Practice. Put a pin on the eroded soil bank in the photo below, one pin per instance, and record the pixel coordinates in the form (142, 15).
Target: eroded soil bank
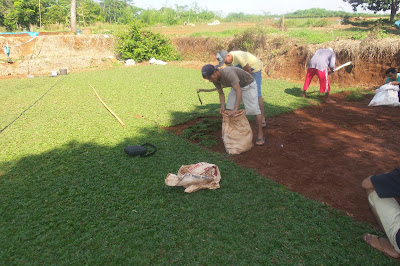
(282, 58)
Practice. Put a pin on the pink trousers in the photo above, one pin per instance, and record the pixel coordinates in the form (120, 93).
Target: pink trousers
(324, 86)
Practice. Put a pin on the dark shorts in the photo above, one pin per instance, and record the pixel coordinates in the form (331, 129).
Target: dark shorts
(387, 185)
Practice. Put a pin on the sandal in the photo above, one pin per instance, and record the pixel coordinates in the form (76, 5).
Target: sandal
(260, 142)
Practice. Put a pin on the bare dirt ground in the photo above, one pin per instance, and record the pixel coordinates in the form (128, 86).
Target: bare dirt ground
(324, 152)
(47, 52)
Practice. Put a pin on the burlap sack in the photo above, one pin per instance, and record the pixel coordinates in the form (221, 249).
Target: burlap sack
(195, 177)
(236, 133)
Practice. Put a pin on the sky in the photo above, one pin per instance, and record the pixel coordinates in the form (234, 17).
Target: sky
(275, 7)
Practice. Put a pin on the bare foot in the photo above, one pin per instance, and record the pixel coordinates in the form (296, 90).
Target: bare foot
(304, 94)
(329, 100)
(381, 244)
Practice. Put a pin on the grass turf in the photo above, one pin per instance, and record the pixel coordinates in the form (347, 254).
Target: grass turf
(69, 194)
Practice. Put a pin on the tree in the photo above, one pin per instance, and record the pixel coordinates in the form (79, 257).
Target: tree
(73, 16)
(5, 6)
(377, 5)
(22, 14)
(55, 11)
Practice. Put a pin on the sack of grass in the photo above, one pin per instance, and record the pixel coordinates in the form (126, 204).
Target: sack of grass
(236, 133)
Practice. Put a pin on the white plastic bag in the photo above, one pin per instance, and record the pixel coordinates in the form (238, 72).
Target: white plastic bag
(386, 95)
(130, 62)
(195, 177)
(387, 87)
(154, 61)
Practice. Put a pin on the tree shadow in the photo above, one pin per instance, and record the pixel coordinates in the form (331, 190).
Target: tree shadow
(297, 91)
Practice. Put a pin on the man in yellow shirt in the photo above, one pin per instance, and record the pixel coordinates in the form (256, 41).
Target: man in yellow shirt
(248, 63)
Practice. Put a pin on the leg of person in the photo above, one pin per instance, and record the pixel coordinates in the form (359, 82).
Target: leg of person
(258, 78)
(310, 74)
(324, 86)
(262, 108)
(260, 139)
(387, 212)
(250, 100)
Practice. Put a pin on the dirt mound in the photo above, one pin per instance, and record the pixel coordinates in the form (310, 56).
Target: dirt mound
(325, 151)
(42, 54)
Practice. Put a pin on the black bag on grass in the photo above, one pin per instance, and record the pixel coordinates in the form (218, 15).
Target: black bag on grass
(140, 150)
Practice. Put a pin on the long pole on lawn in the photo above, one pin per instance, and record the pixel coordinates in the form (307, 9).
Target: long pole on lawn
(105, 105)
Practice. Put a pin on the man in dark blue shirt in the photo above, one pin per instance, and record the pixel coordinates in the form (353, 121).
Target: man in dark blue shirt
(382, 190)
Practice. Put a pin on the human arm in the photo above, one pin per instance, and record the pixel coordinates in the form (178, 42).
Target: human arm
(332, 62)
(367, 184)
(206, 90)
(247, 68)
(221, 100)
(394, 83)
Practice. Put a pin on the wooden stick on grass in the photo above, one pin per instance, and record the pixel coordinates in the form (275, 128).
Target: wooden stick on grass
(105, 105)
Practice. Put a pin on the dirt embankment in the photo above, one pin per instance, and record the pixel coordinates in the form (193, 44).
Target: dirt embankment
(285, 59)
(282, 58)
(44, 53)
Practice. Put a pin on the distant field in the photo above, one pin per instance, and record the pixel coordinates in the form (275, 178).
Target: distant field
(202, 28)
(317, 30)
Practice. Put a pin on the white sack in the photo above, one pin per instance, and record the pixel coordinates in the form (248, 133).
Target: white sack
(386, 95)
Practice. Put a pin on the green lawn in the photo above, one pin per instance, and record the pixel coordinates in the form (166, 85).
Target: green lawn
(70, 195)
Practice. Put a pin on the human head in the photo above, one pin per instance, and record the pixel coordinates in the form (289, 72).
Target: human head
(221, 55)
(391, 73)
(209, 72)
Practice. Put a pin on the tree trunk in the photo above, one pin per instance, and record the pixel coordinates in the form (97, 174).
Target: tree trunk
(393, 10)
(40, 16)
(73, 16)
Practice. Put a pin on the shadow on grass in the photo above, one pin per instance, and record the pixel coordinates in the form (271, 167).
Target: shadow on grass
(200, 111)
(296, 91)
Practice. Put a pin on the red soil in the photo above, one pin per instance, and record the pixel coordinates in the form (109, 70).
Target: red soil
(324, 152)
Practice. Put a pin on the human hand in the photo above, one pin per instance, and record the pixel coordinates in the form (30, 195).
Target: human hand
(394, 83)
(221, 110)
(232, 113)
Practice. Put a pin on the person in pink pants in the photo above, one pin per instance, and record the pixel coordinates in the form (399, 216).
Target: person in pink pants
(321, 62)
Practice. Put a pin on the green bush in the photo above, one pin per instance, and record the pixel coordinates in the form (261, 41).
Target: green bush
(141, 45)
(249, 39)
